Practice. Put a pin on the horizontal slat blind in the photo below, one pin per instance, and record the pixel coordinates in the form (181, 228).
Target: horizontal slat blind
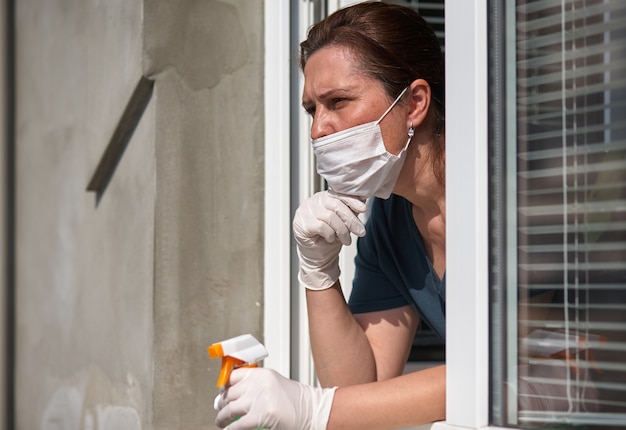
(571, 185)
(431, 10)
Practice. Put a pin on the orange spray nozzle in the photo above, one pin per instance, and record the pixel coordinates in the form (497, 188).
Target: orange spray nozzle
(240, 351)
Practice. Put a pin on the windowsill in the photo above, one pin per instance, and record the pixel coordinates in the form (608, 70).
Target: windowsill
(442, 425)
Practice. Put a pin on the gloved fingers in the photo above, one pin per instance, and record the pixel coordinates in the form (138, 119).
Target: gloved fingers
(235, 388)
(330, 216)
(246, 422)
(356, 204)
(311, 225)
(239, 375)
(333, 212)
(352, 224)
(339, 223)
(228, 413)
(231, 394)
(347, 209)
(262, 398)
(232, 403)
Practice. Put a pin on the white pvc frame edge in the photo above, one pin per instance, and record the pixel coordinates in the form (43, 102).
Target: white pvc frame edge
(277, 237)
(466, 159)
(467, 298)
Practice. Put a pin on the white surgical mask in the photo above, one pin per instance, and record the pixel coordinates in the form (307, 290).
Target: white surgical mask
(355, 161)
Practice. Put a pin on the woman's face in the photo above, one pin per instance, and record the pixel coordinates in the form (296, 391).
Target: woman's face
(338, 96)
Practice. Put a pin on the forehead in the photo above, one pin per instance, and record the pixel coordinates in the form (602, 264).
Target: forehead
(333, 68)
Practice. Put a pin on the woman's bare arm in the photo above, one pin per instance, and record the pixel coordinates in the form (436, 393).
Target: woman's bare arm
(404, 401)
(352, 350)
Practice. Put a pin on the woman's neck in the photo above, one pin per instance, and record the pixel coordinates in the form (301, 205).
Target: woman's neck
(431, 225)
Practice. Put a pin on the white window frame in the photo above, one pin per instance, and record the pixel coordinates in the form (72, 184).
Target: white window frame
(467, 280)
(277, 230)
(467, 301)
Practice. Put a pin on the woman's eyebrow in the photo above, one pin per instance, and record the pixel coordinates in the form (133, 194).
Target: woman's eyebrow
(334, 92)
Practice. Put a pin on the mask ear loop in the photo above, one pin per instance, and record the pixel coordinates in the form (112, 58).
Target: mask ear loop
(410, 133)
(392, 105)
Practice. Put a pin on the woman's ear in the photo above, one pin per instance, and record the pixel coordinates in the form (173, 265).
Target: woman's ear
(419, 101)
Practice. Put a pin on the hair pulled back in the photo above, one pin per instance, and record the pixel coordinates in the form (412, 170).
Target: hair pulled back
(394, 45)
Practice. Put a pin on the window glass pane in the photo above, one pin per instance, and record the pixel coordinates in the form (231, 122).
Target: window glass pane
(559, 213)
(431, 10)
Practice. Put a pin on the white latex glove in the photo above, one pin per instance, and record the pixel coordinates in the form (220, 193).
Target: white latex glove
(321, 226)
(265, 399)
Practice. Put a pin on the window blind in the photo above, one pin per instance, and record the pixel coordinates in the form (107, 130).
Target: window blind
(432, 11)
(570, 185)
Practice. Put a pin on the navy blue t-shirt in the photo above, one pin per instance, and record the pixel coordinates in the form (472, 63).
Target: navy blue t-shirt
(392, 268)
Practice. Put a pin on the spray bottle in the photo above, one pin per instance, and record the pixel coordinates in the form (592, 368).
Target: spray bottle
(236, 352)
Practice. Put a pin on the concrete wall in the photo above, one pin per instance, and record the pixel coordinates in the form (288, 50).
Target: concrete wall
(207, 60)
(119, 292)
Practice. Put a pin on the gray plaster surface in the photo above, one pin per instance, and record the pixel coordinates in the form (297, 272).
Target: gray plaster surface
(119, 296)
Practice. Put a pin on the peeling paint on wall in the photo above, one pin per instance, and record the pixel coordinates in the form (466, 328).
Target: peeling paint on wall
(64, 410)
(109, 417)
(91, 401)
(202, 40)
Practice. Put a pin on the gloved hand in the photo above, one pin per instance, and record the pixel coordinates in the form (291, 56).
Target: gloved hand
(265, 399)
(321, 225)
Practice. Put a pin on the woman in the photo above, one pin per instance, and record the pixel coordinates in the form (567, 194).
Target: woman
(374, 89)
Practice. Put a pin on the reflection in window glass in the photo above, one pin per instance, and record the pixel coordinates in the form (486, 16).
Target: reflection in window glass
(559, 215)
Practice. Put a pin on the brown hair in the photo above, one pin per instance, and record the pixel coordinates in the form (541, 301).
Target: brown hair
(394, 45)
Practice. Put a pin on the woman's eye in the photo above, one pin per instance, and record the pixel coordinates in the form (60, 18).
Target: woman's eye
(337, 101)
